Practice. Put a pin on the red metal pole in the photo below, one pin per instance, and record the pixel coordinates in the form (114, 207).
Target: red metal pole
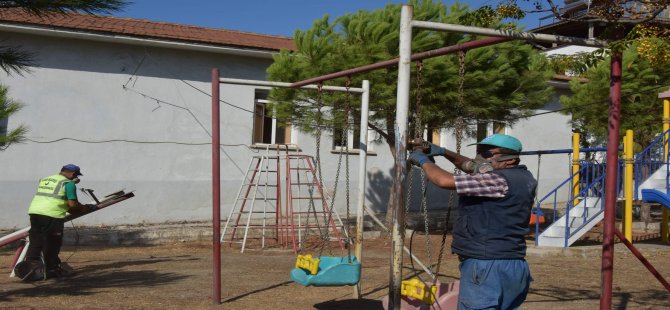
(607, 267)
(216, 191)
(643, 260)
(394, 62)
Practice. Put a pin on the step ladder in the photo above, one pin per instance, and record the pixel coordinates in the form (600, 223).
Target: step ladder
(279, 202)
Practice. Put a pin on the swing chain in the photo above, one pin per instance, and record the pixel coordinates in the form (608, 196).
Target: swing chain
(424, 207)
(418, 128)
(344, 141)
(460, 121)
(347, 102)
(319, 115)
(317, 164)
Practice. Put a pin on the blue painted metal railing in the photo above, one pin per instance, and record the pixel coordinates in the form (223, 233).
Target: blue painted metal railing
(591, 184)
(650, 160)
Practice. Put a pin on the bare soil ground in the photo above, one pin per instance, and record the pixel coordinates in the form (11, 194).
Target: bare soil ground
(178, 276)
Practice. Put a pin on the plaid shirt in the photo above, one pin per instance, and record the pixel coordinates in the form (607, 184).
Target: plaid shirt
(489, 185)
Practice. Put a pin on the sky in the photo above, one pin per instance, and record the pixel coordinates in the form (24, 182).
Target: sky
(273, 17)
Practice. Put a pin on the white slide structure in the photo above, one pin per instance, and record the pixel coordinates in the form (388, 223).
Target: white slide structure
(581, 218)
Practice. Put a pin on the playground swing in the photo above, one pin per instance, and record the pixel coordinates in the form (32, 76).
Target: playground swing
(329, 270)
(416, 293)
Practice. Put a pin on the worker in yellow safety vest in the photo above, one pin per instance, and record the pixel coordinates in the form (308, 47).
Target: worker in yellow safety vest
(56, 195)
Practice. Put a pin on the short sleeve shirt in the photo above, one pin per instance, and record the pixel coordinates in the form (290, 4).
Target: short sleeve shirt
(489, 185)
(70, 191)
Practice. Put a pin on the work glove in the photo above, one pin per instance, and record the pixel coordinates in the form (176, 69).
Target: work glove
(419, 158)
(436, 150)
(90, 207)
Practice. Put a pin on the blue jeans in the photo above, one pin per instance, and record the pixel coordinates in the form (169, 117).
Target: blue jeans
(493, 284)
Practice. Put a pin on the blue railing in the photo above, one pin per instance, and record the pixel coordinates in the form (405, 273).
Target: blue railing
(591, 184)
(650, 160)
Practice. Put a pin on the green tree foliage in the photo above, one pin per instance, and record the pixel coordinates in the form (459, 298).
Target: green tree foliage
(504, 82)
(14, 60)
(7, 108)
(638, 19)
(640, 107)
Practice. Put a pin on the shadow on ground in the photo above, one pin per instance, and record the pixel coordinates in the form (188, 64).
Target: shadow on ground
(94, 277)
(350, 304)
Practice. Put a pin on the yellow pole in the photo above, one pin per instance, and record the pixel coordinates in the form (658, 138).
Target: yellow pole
(666, 127)
(628, 186)
(575, 167)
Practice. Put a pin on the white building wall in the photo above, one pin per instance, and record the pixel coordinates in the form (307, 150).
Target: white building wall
(75, 97)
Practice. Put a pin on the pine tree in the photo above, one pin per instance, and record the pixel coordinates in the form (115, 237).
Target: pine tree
(640, 107)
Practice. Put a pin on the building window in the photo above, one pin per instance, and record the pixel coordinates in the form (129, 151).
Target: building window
(266, 130)
(432, 135)
(353, 136)
(482, 130)
(485, 129)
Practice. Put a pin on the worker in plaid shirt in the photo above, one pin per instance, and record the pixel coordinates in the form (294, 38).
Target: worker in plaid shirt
(495, 200)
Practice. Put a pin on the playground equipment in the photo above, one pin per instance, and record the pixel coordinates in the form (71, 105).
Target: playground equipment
(644, 176)
(216, 81)
(327, 270)
(403, 62)
(22, 234)
(416, 293)
(289, 195)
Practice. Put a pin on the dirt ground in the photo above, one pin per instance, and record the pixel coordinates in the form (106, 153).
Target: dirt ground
(178, 276)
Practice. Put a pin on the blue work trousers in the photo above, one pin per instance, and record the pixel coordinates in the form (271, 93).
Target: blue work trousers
(499, 284)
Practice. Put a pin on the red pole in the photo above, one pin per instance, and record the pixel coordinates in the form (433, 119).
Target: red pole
(607, 267)
(216, 191)
(643, 260)
(394, 62)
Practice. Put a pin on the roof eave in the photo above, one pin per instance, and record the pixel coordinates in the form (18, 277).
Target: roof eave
(114, 38)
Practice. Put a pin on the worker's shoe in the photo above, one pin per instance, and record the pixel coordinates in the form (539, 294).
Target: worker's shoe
(30, 270)
(62, 271)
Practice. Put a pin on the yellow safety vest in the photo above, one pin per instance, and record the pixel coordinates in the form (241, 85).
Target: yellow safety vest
(50, 199)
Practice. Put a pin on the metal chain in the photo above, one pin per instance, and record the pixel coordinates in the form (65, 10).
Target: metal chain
(424, 207)
(460, 121)
(418, 126)
(317, 164)
(344, 141)
(319, 116)
(347, 103)
(409, 181)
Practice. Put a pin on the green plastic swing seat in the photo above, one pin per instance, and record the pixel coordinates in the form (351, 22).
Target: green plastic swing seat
(333, 271)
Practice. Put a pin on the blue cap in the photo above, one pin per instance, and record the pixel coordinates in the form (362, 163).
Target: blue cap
(73, 168)
(501, 140)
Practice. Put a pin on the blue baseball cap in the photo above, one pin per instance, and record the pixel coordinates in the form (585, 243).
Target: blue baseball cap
(73, 168)
(501, 140)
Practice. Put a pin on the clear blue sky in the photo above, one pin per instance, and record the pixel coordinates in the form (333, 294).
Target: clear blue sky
(276, 17)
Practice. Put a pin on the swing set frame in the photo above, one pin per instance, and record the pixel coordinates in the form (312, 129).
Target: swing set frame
(402, 106)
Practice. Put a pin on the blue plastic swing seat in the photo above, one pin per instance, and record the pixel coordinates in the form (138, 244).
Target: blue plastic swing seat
(333, 271)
